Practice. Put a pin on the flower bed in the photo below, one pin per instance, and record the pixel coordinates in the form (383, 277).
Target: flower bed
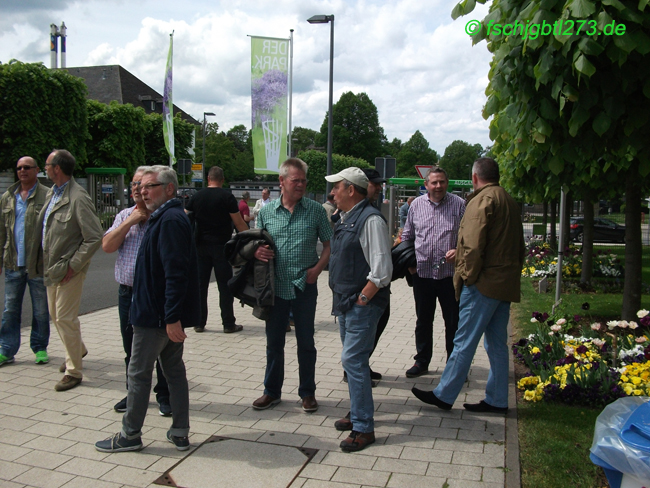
(603, 363)
(541, 261)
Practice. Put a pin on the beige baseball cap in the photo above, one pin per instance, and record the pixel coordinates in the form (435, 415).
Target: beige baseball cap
(352, 174)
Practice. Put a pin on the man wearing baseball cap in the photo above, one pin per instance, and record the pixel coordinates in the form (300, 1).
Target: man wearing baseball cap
(359, 276)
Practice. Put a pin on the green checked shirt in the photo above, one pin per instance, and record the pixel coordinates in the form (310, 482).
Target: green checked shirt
(295, 235)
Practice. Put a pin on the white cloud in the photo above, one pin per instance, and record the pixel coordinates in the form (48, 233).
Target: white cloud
(415, 63)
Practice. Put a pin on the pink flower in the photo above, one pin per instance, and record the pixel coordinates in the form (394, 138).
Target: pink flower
(595, 326)
(561, 322)
(556, 328)
(632, 325)
(640, 340)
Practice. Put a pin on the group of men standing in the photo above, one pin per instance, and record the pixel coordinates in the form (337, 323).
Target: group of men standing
(48, 238)
(164, 276)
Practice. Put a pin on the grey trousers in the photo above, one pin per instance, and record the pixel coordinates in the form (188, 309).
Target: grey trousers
(148, 345)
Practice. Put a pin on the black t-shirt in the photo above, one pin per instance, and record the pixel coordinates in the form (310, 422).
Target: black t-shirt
(212, 208)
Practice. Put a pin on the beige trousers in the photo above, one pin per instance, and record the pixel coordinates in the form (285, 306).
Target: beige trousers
(63, 302)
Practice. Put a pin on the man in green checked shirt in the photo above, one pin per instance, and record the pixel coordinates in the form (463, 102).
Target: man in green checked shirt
(296, 224)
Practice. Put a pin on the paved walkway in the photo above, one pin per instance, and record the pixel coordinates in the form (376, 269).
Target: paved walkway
(47, 436)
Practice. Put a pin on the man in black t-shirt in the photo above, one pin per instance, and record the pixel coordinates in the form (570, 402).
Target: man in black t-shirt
(215, 211)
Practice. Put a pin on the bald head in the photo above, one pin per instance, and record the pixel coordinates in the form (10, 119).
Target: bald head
(27, 169)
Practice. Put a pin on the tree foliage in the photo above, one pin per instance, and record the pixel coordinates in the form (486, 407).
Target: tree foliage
(572, 108)
(232, 151)
(415, 151)
(154, 143)
(317, 162)
(303, 139)
(356, 129)
(40, 110)
(458, 159)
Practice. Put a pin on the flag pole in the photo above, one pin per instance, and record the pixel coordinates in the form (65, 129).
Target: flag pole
(290, 90)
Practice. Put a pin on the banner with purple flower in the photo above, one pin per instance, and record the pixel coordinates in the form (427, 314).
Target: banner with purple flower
(269, 68)
(168, 104)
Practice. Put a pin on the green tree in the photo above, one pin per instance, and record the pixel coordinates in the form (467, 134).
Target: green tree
(239, 136)
(393, 147)
(458, 159)
(303, 139)
(572, 109)
(356, 130)
(231, 151)
(154, 144)
(415, 151)
(117, 135)
(41, 109)
(317, 162)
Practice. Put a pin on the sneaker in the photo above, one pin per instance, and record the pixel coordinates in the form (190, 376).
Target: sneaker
(67, 383)
(42, 357)
(120, 406)
(117, 443)
(181, 443)
(5, 360)
(164, 408)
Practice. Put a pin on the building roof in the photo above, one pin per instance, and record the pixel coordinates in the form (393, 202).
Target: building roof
(113, 82)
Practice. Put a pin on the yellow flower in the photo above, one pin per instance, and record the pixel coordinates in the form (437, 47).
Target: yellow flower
(530, 396)
(535, 350)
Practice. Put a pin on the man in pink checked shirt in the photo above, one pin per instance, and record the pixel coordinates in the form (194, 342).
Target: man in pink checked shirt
(432, 222)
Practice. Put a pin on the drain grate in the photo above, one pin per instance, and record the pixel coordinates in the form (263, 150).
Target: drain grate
(227, 462)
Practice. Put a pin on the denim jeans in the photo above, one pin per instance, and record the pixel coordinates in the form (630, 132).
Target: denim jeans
(148, 345)
(304, 311)
(125, 295)
(15, 284)
(425, 292)
(478, 315)
(212, 257)
(358, 327)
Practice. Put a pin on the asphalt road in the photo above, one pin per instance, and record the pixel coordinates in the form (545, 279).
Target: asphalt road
(99, 292)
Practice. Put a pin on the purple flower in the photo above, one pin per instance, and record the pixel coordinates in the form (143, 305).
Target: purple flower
(585, 306)
(266, 92)
(577, 318)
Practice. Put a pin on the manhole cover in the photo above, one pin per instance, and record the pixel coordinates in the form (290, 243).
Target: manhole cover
(226, 462)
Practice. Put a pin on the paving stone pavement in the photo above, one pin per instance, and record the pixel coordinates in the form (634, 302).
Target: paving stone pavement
(48, 436)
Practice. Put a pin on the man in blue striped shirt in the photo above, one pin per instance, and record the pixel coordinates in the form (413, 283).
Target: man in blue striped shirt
(432, 222)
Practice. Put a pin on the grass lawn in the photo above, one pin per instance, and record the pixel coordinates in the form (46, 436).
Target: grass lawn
(555, 439)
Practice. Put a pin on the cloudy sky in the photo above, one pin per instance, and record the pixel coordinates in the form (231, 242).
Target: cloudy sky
(415, 63)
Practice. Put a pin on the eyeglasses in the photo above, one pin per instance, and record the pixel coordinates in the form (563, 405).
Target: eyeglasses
(135, 184)
(25, 168)
(149, 186)
(297, 181)
(439, 263)
(49, 164)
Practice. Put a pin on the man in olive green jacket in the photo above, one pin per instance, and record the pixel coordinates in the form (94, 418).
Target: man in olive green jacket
(71, 234)
(22, 260)
(489, 257)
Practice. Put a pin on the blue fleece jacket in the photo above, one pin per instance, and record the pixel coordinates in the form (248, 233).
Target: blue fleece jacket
(166, 281)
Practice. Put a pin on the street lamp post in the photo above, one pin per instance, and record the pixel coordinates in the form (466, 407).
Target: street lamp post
(205, 114)
(324, 19)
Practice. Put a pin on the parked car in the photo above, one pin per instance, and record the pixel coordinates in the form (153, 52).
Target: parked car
(604, 230)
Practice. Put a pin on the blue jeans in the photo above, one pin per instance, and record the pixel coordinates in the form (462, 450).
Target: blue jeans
(304, 311)
(358, 327)
(150, 344)
(125, 296)
(478, 315)
(15, 284)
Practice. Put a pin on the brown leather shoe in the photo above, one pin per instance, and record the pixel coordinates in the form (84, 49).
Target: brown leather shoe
(67, 383)
(343, 424)
(264, 402)
(357, 441)
(309, 404)
(62, 367)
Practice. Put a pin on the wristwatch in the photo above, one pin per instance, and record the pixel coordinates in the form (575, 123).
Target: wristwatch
(364, 299)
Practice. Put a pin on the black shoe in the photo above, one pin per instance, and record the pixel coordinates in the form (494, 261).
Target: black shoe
(117, 443)
(120, 406)
(375, 376)
(430, 398)
(372, 383)
(484, 407)
(416, 370)
(234, 328)
(165, 409)
(199, 329)
(181, 443)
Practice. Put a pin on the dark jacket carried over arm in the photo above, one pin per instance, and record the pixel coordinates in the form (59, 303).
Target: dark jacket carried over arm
(253, 281)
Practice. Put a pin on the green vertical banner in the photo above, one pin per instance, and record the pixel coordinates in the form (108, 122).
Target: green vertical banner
(269, 74)
(168, 104)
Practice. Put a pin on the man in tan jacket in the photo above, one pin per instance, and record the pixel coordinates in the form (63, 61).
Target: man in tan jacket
(71, 234)
(489, 257)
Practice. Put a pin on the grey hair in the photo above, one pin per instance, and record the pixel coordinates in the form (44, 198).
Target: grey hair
(357, 188)
(246, 195)
(486, 169)
(142, 169)
(293, 163)
(165, 175)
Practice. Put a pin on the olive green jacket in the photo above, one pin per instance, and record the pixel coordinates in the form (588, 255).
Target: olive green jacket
(73, 234)
(490, 251)
(33, 254)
